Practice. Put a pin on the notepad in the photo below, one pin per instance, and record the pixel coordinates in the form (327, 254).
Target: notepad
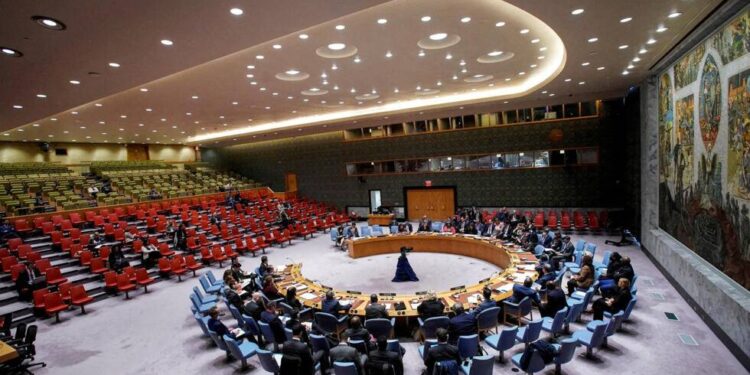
(300, 287)
(415, 305)
(504, 288)
(528, 267)
(475, 298)
(309, 296)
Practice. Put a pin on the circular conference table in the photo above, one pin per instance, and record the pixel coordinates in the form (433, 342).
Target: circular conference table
(515, 263)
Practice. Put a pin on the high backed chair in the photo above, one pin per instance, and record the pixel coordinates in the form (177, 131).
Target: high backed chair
(487, 320)
(566, 350)
(430, 326)
(380, 327)
(241, 350)
(591, 339)
(519, 310)
(530, 333)
(555, 325)
(478, 366)
(503, 341)
(468, 346)
(536, 363)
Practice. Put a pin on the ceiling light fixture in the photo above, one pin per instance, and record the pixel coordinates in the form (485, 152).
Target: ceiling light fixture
(260, 57)
(462, 63)
(674, 14)
(388, 54)
(500, 24)
(334, 67)
(17, 106)
(448, 56)
(626, 19)
(303, 36)
(421, 53)
(495, 53)
(576, 12)
(98, 104)
(631, 66)
(143, 89)
(167, 42)
(236, 11)
(651, 41)
(340, 27)
(585, 63)
(593, 40)
(568, 79)
(438, 36)
(382, 21)
(276, 46)
(251, 67)
(661, 29)
(636, 59)
(114, 65)
(524, 31)
(49, 23)
(336, 46)
(426, 18)
(535, 41)
(582, 83)
(623, 46)
(10, 52)
(642, 51)
(74, 82)
(625, 72)
(42, 96)
(600, 68)
(466, 19)
(291, 72)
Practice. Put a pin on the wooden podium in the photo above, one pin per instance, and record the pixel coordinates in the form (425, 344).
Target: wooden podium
(374, 219)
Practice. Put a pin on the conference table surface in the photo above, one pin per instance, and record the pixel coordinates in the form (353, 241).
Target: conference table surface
(516, 265)
(7, 352)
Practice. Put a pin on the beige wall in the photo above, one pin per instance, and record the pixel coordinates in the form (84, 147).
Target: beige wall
(13, 152)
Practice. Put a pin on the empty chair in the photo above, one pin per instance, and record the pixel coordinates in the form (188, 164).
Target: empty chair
(566, 349)
(536, 362)
(503, 341)
(478, 366)
(97, 266)
(53, 304)
(530, 333)
(555, 325)
(79, 297)
(430, 325)
(330, 324)
(364, 231)
(110, 280)
(177, 267)
(345, 368)
(487, 320)
(207, 287)
(124, 284)
(143, 279)
(468, 346)
(201, 307)
(380, 327)
(613, 324)
(269, 361)
(191, 264)
(519, 310)
(591, 339)
(574, 313)
(241, 351)
(377, 230)
(54, 276)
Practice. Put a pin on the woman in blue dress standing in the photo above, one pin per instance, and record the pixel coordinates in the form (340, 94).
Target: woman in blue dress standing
(404, 272)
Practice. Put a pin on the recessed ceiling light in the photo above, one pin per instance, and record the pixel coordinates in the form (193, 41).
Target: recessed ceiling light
(74, 112)
(303, 36)
(466, 19)
(167, 42)
(535, 41)
(251, 67)
(336, 46)
(194, 96)
(340, 27)
(542, 49)
(83, 127)
(382, 21)
(585, 63)
(651, 41)
(11, 52)
(42, 96)
(438, 36)
(576, 12)
(625, 72)
(421, 53)
(262, 89)
(462, 63)
(455, 77)
(249, 75)
(276, 46)
(674, 14)
(448, 56)
(17, 106)
(631, 66)
(291, 72)
(426, 18)
(642, 51)
(636, 59)
(149, 109)
(236, 11)
(500, 24)
(540, 58)
(114, 65)
(600, 68)
(123, 116)
(143, 89)
(661, 29)
(582, 83)
(463, 70)
(49, 23)
(593, 40)
(98, 104)
(334, 67)
(524, 31)
(74, 82)
(336, 87)
(260, 57)
(568, 79)
(53, 119)
(623, 46)
(253, 83)
(388, 54)
(495, 53)
(521, 73)
(35, 125)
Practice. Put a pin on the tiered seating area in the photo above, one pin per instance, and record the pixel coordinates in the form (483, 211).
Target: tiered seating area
(59, 186)
(206, 173)
(59, 245)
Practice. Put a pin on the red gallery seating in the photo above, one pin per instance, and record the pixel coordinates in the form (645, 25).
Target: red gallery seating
(142, 278)
(54, 276)
(110, 280)
(191, 264)
(177, 267)
(79, 297)
(124, 285)
(53, 304)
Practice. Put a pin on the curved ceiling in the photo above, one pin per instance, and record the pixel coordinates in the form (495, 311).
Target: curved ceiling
(393, 58)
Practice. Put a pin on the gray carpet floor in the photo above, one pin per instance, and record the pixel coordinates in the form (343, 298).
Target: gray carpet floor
(155, 333)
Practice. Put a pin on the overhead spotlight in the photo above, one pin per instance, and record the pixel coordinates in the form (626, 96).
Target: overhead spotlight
(340, 27)
(500, 24)
(74, 82)
(114, 65)
(651, 41)
(382, 21)
(426, 18)
(236, 11)
(10, 52)
(466, 19)
(661, 29)
(49, 23)
(626, 19)
(674, 14)
(303, 36)
(576, 12)
(167, 42)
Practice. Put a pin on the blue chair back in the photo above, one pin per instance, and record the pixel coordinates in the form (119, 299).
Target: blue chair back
(487, 319)
(394, 346)
(605, 258)
(347, 231)
(591, 248)
(250, 325)
(551, 233)
(265, 329)
(212, 278)
(319, 343)
(288, 310)
(538, 250)
(379, 327)
(233, 348)
(197, 303)
(394, 229)
(426, 347)
(507, 338)
(219, 342)
(364, 231)
(341, 368)
(630, 307)
(377, 230)
(468, 346)
(580, 246)
(482, 365)
(431, 325)
(198, 293)
(267, 362)
(437, 226)
(235, 313)
(618, 318)
(536, 363)
(532, 331)
(524, 307)
(201, 323)
(566, 352)
(205, 284)
(334, 235)
(360, 345)
(327, 322)
(597, 337)
(559, 321)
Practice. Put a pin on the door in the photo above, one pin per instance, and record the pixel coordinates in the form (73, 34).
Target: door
(374, 200)
(137, 152)
(435, 203)
(290, 182)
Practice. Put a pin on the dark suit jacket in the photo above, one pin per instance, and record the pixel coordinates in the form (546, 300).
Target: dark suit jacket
(358, 334)
(217, 326)
(440, 352)
(376, 311)
(430, 308)
(347, 354)
(520, 291)
(253, 309)
(484, 306)
(377, 357)
(277, 327)
(332, 307)
(461, 325)
(555, 302)
(297, 349)
(23, 281)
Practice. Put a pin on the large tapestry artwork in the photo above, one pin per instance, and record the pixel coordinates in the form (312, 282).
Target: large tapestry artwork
(704, 168)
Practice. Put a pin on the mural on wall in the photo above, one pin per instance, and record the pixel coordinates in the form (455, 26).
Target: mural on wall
(700, 205)
(665, 124)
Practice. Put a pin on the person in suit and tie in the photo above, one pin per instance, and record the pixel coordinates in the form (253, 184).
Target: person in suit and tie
(254, 308)
(431, 307)
(297, 353)
(462, 324)
(29, 280)
(522, 291)
(272, 319)
(357, 332)
(556, 300)
(331, 305)
(442, 351)
(381, 360)
(375, 310)
(215, 325)
(348, 354)
(565, 254)
(487, 303)
(546, 239)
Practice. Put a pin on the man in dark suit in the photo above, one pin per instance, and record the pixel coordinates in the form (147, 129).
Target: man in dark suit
(442, 351)
(277, 327)
(378, 360)
(546, 239)
(296, 351)
(565, 254)
(522, 291)
(430, 307)
(348, 354)
(356, 331)
(425, 225)
(375, 310)
(331, 305)
(487, 303)
(254, 307)
(462, 324)
(555, 300)
(547, 274)
(29, 280)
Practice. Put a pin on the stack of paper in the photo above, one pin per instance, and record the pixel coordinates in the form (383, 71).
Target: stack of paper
(309, 296)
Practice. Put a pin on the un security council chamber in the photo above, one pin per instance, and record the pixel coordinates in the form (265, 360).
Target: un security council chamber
(375, 187)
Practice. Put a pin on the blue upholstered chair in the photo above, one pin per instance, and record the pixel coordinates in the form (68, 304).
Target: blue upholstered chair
(424, 348)
(394, 346)
(364, 231)
(529, 333)
(319, 342)
(555, 325)
(304, 314)
(519, 310)
(584, 297)
(478, 366)
(430, 326)
(334, 236)
(591, 248)
(201, 307)
(566, 350)
(268, 336)
(487, 320)
(574, 266)
(212, 279)
(605, 260)
(437, 226)
(591, 339)
(503, 341)
(536, 363)
(580, 245)
(208, 287)
(380, 327)
(377, 230)
(204, 298)
(251, 326)
(538, 251)
(241, 350)
(612, 324)
(342, 368)
(268, 361)
(628, 310)
(202, 322)
(394, 229)
(330, 324)
(468, 346)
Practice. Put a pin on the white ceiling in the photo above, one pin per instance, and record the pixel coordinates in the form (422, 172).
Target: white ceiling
(213, 48)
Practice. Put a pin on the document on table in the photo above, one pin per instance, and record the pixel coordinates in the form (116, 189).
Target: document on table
(504, 288)
(475, 298)
(309, 296)
(528, 267)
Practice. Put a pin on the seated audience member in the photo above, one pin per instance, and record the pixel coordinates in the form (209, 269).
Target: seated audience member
(254, 307)
(431, 307)
(117, 259)
(270, 317)
(487, 303)
(425, 224)
(29, 280)
(153, 194)
(348, 354)
(381, 361)
(340, 235)
(548, 274)
(95, 242)
(215, 325)
(522, 291)
(623, 270)
(264, 269)
(270, 289)
(555, 300)
(228, 277)
(237, 271)
(546, 240)
(565, 254)
(293, 322)
(448, 228)
(331, 305)
(463, 323)
(585, 277)
(556, 242)
(375, 310)
(106, 187)
(442, 351)
(295, 352)
(291, 299)
(7, 231)
(617, 303)
(38, 199)
(93, 191)
(356, 331)
(470, 227)
(353, 231)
